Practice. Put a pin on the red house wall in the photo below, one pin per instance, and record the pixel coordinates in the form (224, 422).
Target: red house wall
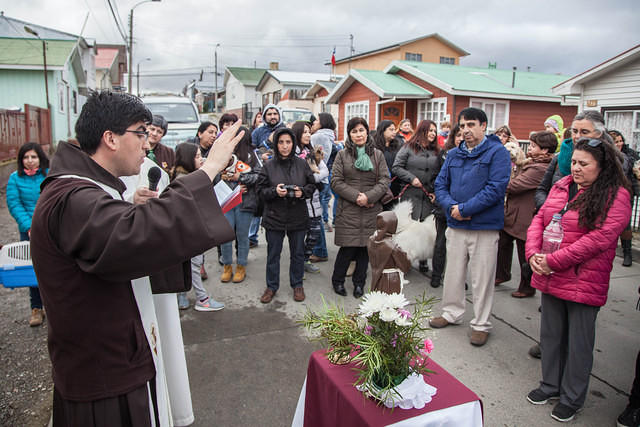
(527, 116)
(357, 92)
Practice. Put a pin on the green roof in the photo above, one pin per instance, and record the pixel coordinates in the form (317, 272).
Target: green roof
(392, 85)
(247, 76)
(474, 79)
(24, 52)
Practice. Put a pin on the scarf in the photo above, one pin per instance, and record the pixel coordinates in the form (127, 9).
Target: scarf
(363, 162)
(31, 172)
(564, 157)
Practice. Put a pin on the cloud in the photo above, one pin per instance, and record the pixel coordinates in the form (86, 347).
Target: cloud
(550, 36)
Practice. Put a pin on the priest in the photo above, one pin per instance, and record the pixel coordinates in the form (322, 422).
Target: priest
(92, 251)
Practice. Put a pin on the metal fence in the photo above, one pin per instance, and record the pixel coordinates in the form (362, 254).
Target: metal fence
(17, 127)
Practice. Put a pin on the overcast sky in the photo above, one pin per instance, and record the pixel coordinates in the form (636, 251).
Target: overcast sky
(179, 36)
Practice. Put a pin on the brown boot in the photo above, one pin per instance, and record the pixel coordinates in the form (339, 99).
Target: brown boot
(267, 296)
(227, 272)
(241, 273)
(37, 316)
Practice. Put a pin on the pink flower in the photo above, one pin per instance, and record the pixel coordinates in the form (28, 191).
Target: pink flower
(428, 346)
(404, 313)
(368, 329)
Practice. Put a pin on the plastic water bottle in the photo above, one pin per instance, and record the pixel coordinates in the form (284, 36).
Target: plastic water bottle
(552, 235)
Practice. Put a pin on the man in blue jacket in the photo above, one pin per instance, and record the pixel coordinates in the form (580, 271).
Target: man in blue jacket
(471, 188)
(272, 118)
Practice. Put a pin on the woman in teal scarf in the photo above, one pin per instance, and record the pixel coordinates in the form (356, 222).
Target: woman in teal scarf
(360, 177)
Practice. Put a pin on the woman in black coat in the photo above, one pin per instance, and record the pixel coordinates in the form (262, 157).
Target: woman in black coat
(417, 165)
(284, 183)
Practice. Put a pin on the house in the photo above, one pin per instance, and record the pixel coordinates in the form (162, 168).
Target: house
(287, 88)
(422, 90)
(111, 65)
(69, 77)
(430, 48)
(317, 94)
(613, 88)
(241, 95)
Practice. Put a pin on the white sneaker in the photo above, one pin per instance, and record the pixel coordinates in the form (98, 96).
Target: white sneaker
(208, 305)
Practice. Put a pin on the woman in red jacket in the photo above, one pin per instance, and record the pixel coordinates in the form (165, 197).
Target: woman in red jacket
(574, 280)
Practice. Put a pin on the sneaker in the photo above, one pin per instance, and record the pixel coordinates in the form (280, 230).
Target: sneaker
(267, 296)
(183, 301)
(535, 351)
(310, 268)
(298, 294)
(479, 338)
(539, 397)
(563, 413)
(208, 304)
(315, 258)
(438, 322)
(37, 317)
(630, 417)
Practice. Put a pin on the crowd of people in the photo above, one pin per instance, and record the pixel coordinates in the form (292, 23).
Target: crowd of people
(482, 192)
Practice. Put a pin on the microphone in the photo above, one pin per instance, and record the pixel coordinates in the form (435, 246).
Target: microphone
(154, 178)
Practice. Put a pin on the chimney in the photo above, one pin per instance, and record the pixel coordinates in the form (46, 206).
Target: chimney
(513, 80)
(275, 66)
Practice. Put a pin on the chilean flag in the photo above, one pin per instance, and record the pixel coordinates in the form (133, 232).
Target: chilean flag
(333, 57)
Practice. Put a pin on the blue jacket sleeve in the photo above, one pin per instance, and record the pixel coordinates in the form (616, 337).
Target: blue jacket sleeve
(14, 203)
(442, 187)
(494, 191)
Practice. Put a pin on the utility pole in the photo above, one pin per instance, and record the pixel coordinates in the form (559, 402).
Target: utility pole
(131, 39)
(215, 74)
(44, 59)
(351, 50)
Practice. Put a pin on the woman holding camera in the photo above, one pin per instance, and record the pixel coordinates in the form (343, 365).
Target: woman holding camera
(284, 183)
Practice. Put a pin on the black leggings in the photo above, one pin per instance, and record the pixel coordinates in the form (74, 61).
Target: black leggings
(346, 254)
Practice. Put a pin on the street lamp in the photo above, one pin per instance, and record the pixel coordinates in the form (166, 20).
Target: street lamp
(215, 73)
(138, 74)
(131, 36)
(44, 57)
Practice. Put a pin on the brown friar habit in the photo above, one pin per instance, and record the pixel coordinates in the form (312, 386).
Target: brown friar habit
(87, 247)
(384, 253)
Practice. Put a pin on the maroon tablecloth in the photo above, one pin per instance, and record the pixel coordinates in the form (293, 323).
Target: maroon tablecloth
(332, 400)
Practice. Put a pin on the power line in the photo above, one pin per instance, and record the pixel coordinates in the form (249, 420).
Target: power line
(115, 18)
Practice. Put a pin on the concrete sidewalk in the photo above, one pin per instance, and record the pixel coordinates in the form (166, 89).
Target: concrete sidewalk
(247, 362)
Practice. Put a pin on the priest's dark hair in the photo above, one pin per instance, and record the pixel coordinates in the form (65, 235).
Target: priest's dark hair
(108, 111)
(185, 158)
(44, 160)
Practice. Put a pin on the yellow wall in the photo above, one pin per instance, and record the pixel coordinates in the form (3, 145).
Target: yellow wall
(431, 49)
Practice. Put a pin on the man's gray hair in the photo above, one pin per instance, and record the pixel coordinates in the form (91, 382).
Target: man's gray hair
(594, 117)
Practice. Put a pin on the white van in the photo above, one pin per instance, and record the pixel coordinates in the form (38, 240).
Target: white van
(181, 114)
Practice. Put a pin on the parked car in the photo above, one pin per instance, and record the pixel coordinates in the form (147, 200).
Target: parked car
(292, 115)
(181, 114)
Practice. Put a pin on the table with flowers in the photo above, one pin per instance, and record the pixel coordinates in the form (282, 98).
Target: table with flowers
(376, 370)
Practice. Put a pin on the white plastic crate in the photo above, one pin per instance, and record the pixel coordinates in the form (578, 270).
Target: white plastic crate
(16, 254)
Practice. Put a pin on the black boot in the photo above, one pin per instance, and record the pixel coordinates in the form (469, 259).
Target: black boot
(339, 289)
(626, 252)
(358, 291)
(435, 281)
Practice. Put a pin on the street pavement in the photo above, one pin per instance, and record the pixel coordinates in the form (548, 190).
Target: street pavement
(247, 362)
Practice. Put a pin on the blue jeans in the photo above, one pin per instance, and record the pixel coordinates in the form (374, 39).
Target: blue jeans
(320, 249)
(296, 262)
(34, 292)
(254, 228)
(240, 222)
(325, 197)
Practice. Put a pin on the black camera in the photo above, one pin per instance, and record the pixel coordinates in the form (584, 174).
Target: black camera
(291, 190)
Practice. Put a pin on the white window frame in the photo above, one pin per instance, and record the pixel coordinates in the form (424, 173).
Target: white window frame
(355, 109)
(437, 114)
(491, 124)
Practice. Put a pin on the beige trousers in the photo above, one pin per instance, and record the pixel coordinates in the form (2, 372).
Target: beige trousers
(474, 252)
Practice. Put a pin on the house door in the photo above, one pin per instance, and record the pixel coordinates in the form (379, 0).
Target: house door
(393, 111)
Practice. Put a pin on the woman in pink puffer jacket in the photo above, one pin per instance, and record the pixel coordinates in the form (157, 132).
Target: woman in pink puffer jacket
(574, 280)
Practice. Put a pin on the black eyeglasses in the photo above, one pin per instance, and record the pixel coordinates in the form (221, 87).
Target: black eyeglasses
(143, 133)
